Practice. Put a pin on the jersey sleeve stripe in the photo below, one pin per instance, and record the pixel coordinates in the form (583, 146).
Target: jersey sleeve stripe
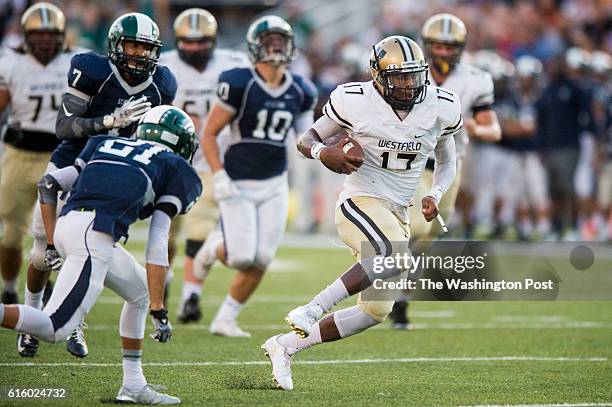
(78, 93)
(172, 200)
(455, 125)
(326, 112)
(331, 105)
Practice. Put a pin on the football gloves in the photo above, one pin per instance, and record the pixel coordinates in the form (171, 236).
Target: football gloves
(223, 186)
(53, 260)
(131, 111)
(162, 328)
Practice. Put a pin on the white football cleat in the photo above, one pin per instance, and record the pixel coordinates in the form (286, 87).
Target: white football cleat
(146, 395)
(205, 257)
(302, 318)
(229, 328)
(281, 363)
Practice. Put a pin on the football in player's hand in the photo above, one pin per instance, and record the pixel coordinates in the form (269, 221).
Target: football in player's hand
(350, 147)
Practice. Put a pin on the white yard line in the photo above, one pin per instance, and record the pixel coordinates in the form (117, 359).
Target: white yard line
(333, 361)
(416, 326)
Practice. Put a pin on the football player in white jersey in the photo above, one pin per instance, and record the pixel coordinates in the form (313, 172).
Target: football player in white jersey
(399, 120)
(444, 37)
(197, 64)
(32, 82)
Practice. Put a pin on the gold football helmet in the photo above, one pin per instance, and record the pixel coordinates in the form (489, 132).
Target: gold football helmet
(399, 70)
(445, 29)
(195, 30)
(43, 27)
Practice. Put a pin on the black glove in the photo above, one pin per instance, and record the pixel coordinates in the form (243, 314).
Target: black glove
(162, 328)
(52, 258)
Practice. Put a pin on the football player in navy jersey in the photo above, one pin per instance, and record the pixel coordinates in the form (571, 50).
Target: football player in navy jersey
(147, 177)
(106, 95)
(262, 103)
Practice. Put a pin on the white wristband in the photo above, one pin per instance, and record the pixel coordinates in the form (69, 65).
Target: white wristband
(315, 150)
(436, 194)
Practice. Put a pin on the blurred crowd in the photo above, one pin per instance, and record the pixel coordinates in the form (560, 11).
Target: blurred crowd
(551, 175)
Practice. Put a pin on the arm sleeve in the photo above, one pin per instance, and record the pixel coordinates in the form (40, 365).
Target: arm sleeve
(70, 124)
(157, 242)
(445, 167)
(51, 184)
(326, 127)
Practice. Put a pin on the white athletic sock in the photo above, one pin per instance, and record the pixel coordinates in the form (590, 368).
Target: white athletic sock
(35, 322)
(295, 344)
(190, 288)
(330, 296)
(229, 310)
(34, 300)
(10, 286)
(133, 377)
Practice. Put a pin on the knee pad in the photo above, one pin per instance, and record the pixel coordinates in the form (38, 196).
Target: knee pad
(378, 310)
(192, 247)
(240, 261)
(133, 318)
(263, 260)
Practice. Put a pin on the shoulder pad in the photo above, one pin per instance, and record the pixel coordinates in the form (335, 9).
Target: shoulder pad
(93, 65)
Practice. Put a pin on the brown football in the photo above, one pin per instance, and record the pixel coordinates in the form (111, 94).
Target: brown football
(351, 148)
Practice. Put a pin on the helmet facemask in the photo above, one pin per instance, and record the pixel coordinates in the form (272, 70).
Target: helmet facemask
(403, 88)
(44, 45)
(138, 64)
(443, 63)
(196, 51)
(275, 47)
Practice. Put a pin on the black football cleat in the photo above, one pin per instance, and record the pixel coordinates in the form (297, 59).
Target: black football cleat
(399, 315)
(27, 345)
(191, 310)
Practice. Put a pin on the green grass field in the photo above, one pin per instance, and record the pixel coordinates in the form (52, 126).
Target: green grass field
(458, 353)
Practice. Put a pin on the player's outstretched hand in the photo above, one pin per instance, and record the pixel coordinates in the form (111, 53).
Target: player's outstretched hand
(53, 260)
(430, 208)
(334, 158)
(131, 111)
(223, 186)
(162, 328)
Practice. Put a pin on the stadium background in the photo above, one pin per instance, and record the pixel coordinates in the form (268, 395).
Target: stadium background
(458, 353)
(334, 38)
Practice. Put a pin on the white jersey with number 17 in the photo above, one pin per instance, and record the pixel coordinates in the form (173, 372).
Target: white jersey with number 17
(395, 150)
